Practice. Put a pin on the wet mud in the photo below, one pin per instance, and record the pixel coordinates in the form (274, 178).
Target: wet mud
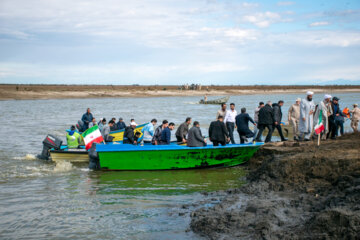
(293, 191)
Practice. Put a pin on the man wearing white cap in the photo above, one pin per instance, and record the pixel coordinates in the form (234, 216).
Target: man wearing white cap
(294, 117)
(306, 123)
(355, 118)
(325, 109)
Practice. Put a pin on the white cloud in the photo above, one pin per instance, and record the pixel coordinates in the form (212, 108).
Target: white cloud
(288, 3)
(316, 24)
(317, 38)
(263, 19)
(249, 5)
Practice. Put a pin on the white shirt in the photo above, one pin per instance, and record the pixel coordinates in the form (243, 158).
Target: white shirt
(230, 116)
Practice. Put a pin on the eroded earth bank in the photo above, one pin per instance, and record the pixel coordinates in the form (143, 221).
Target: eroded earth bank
(293, 191)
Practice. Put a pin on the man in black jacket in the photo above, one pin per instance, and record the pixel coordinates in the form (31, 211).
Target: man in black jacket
(242, 123)
(218, 132)
(266, 120)
(278, 117)
(129, 135)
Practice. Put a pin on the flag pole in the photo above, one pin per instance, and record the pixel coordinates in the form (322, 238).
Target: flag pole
(319, 139)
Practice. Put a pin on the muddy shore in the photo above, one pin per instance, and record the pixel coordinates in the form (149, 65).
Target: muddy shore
(294, 191)
(21, 92)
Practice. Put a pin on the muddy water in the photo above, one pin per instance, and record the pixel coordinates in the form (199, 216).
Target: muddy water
(43, 200)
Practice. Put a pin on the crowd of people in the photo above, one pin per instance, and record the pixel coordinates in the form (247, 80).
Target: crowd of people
(303, 115)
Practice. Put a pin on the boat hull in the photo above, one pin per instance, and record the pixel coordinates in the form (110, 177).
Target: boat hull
(71, 155)
(173, 157)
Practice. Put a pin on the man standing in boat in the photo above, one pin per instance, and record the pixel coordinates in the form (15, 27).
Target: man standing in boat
(87, 118)
(148, 131)
(222, 111)
(183, 130)
(166, 134)
(195, 138)
(218, 132)
(229, 121)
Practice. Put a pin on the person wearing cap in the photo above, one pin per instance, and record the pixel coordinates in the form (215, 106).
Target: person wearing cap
(306, 123)
(121, 124)
(195, 138)
(294, 117)
(333, 129)
(355, 117)
(324, 109)
(129, 135)
(157, 134)
(182, 131)
(148, 131)
(73, 138)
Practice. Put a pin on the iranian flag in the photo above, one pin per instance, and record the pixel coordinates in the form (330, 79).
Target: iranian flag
(92, 135)
(319, 126)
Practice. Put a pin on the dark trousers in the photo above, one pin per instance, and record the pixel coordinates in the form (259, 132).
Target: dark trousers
(216, 143)
(261, 129)
(339, 124)
(278, 127)
(230, 127)
(332, 128)
(244, 135)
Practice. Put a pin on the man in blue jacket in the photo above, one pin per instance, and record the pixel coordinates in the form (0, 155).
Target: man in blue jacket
(166, 134)
(87, 118)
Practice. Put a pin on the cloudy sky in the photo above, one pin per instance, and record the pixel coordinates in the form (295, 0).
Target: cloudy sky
(179, 41)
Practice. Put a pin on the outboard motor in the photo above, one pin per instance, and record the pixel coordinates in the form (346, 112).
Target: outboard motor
(94, 162)
(49, 142)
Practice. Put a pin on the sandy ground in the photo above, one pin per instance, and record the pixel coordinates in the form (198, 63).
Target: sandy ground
(294, 191)
(19, 92)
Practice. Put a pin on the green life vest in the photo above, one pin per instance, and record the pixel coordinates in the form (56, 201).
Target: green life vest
(73, 140)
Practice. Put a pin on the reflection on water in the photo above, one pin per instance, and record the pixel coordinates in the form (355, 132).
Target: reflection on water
(64, 201)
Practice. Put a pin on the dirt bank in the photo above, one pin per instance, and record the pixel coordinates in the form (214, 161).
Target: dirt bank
(19, 92)
(294, 191)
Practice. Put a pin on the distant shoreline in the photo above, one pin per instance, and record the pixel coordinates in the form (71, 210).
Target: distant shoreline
(39, 91)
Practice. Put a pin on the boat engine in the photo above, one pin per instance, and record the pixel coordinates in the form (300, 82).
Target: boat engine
(94, 162)
(49, 142)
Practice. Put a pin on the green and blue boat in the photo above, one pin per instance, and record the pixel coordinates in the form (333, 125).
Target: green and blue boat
(171, 157)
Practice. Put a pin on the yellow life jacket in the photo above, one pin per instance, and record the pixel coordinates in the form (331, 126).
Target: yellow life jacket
(72, 140)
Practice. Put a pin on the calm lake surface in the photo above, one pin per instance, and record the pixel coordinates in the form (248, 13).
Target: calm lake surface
(42, 200)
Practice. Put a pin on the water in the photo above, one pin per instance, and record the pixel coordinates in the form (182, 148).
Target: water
(65, 201)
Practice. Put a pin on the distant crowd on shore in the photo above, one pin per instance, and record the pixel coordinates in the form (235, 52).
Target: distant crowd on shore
(306, 118)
